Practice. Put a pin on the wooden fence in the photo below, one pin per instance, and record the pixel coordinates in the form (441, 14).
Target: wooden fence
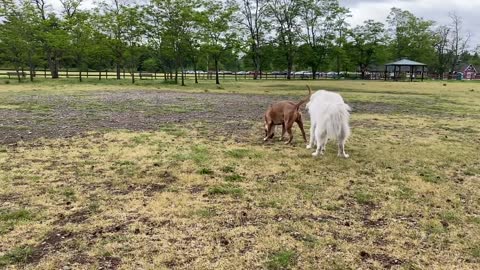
(107, 75)
(102, 75)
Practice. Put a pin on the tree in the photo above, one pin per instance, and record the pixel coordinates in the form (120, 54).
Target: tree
(176, 26)
(18, 39)
(367, 41)
(52, 36)
(320, 20)
(458, 42)
(218, 35)
(285, 15)
(81, 31)
(441, 46)
(411, 37)
(109, 19)
(133, 34)
(253, 18)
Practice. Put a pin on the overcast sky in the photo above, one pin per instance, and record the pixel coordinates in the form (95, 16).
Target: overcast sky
(436, 10)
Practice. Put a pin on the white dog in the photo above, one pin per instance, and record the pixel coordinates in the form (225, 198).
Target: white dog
(329, 117)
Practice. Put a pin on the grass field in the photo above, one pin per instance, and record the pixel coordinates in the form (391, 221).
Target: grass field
(159, 176)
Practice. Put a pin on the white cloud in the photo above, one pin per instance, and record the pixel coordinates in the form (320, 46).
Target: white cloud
(436, 10)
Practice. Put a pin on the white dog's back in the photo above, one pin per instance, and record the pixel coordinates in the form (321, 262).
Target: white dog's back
(329, 117)
(324, 96)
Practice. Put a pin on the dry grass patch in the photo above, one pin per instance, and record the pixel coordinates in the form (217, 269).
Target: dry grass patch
(185, 197)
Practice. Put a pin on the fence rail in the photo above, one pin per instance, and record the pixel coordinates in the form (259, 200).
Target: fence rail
(107, 75)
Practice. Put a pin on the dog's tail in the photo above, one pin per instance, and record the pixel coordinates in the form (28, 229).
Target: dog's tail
(304, 100)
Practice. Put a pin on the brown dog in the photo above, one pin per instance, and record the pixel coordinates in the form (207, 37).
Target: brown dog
(285, 113)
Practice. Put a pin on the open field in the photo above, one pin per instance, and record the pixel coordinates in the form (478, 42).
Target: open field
(158, 176)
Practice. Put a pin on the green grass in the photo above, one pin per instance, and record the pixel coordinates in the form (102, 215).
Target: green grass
(364, 197)
(281, 260)
(10, 218)
(233, 178)
(226, 189)
(205, 171)
(16, 256)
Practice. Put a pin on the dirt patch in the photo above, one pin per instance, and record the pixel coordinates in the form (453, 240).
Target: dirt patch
(109, 262)
(63, 116)
(387, 261)
(152, 189)
(8, 198)
(169, 178)
(79, 216)
(52, 242)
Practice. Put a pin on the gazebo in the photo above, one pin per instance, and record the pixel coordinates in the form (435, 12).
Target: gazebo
(404, 63)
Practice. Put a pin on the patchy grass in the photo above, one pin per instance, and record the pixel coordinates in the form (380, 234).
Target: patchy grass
(184, 196)
(226, 189)
(18, 255)
(281, 260)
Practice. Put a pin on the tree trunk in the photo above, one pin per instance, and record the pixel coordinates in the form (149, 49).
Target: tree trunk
(53, 65)
(30, 66)
(133, 77)
(195, 71)
(217, 81)
(289, 69)
(183, 76)
(314, 71)
(118, 71)
(255, 63)
(80, 75)
(18, 74)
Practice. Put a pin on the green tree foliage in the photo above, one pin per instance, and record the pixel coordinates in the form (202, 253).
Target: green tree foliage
(412, 37)
(218, 36)
(259, 35)
(368, 45)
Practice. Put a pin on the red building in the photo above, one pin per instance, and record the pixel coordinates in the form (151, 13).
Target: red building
(469, 72)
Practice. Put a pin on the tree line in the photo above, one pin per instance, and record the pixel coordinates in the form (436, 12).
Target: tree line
(170, 36)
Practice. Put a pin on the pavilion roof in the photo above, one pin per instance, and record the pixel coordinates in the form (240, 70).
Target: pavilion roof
(405, 62)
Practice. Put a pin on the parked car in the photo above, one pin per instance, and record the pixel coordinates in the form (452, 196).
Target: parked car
(242, 72)
(303, 74)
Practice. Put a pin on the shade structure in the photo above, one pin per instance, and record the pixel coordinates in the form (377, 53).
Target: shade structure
(404, 63)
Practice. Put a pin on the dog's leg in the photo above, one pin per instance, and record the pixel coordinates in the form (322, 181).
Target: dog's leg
(300, 124)
(283, 132)
(288, 126)
(270, 130)
(341, 147)
(312, 136)
(320, 138)
(324, 147)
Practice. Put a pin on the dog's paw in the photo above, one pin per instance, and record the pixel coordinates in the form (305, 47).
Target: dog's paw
(343, 155)
(265, 139)
(315, 154)
(309, 146)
